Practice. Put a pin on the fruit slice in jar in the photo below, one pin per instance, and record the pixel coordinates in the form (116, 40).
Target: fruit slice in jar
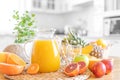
(10, 69)
(33, 69)
(82, 67)
(72, 69)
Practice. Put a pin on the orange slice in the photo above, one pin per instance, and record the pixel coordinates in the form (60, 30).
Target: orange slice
(10, 69)
(14, 59)
(33, 69)
(72, 69)
(3, 56)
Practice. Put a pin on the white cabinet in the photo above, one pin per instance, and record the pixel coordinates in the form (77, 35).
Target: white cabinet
(111, 8)
(54, 6)
(79, 2)
(50, 6)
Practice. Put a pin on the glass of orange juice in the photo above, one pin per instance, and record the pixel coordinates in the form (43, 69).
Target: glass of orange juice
(45, 51)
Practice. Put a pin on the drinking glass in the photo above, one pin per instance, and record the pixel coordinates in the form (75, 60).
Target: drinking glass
(69, 52)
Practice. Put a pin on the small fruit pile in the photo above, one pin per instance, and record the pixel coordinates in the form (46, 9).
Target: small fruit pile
(80, 64)
(102, 67)
(96, 49)
(11, 64)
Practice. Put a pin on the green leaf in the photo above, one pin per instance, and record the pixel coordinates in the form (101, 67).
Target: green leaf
(24, 27)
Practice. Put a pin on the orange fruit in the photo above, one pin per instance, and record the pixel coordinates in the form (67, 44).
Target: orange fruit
(3, 56)
(82, 67)
(10, 69)
(33, 69)
(14, 59)
(72, 69)
(92, 62)
(87, 49)
(102, 43)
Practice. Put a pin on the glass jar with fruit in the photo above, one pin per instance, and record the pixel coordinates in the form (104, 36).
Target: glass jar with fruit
(71, 46)
(45, 51)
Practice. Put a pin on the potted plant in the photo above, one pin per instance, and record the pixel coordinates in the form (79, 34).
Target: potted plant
(24, 31)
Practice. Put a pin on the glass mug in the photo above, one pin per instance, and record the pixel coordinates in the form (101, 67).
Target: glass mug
(45, 51)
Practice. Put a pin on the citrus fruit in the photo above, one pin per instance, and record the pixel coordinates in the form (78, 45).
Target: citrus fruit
(87, 49)
(72, 69)
(10, 69)
(83, 58)
(3, 56)
(102, 43)
(92, 62)
(82, 67)
(33, 69)
(14, 59)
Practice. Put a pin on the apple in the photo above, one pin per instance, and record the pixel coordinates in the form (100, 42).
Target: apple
(108, 64)
(99, 69)
(79, 58)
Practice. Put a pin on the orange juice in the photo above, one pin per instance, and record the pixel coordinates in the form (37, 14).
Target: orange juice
(46, 54)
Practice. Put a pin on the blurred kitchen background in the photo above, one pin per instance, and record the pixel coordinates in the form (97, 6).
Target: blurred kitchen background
(91, 19)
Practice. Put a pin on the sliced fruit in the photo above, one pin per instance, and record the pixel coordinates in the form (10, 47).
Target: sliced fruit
(10, 69)
(3, 56)
(82, 67)
(33, 69)
(79, 58)
(87, 49)
(92, 62)
(14, 59)
(72, 69)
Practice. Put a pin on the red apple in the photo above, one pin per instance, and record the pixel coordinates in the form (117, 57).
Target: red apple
(99, 69)
(109, 65)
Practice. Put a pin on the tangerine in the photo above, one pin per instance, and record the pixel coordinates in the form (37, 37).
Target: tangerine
(33, 69)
